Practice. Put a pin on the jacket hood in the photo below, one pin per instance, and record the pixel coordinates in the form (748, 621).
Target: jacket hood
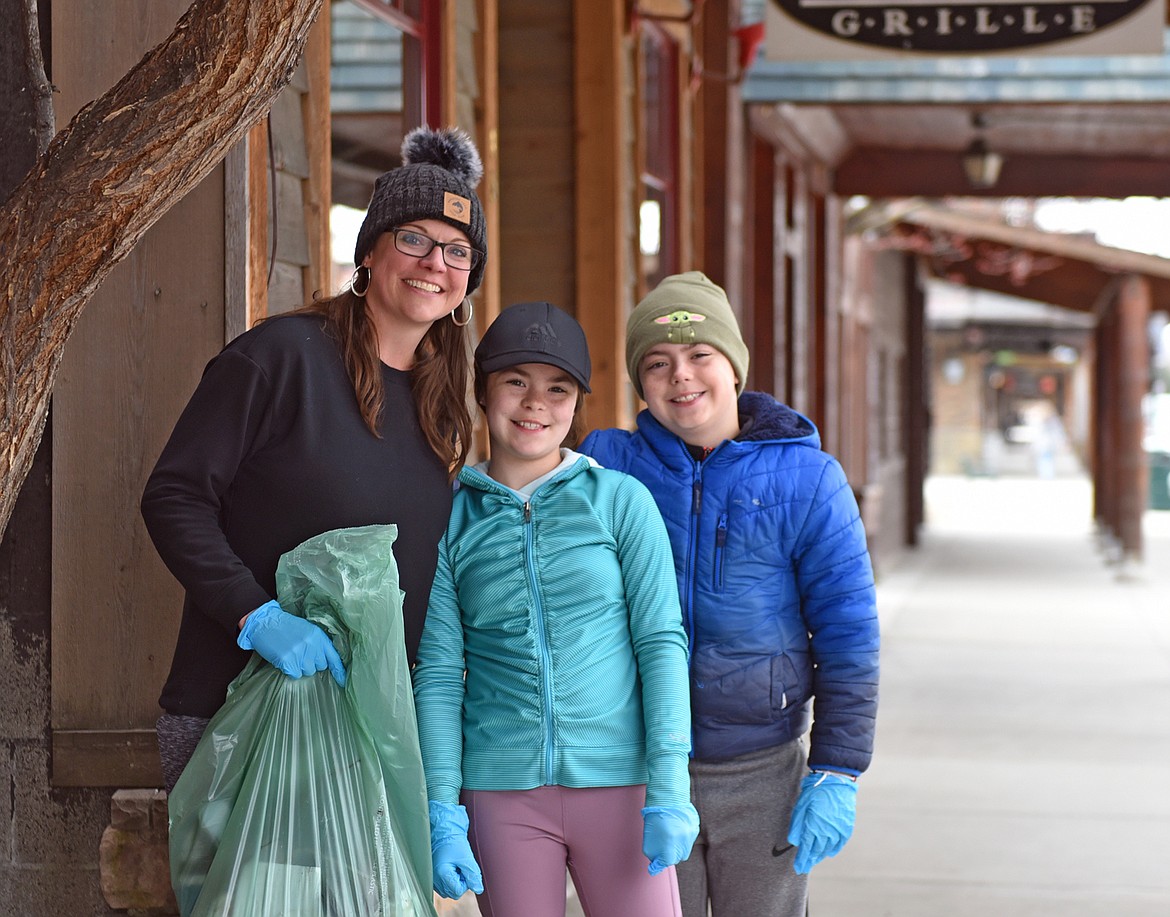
(572, 464)
(762, 417)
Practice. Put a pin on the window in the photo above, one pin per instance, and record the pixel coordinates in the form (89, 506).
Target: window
(658, 147)
(384, 81)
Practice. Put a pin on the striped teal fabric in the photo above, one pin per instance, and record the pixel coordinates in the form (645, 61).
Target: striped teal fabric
(564, 614)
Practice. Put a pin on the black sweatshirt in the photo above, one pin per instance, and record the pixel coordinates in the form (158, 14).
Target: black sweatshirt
(272, 450)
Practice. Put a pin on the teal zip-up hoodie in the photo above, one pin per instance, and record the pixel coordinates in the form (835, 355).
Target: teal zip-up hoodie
(563, 611)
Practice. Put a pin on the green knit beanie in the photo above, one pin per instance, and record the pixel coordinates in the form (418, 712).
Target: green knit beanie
(685, 309)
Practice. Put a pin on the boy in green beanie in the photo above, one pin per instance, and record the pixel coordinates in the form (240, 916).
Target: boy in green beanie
(778, 603)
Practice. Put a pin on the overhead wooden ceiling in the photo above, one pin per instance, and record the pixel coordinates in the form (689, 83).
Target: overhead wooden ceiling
(1083, 127)
(895, 128)
(1113, 150)
(1080, 150)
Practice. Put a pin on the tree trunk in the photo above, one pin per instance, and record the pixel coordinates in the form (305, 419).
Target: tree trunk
(26, 99)
(122, 162)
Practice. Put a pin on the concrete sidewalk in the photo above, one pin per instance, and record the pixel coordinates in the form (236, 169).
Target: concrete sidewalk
(1022, 766)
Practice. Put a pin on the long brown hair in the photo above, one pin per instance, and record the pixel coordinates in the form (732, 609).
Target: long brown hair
(438, 380)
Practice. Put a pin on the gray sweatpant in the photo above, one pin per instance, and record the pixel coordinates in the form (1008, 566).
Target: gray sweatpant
(741, 863)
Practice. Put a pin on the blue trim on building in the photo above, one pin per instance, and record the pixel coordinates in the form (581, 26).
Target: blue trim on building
(970, 79)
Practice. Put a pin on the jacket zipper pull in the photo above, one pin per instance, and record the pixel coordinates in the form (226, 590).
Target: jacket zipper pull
(527, 512)
(697, 501)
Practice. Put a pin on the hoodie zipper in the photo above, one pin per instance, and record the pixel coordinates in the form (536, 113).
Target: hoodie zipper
(542, 642)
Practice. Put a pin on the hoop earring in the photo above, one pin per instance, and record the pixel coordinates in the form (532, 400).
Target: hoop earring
(353, 281)
(470, 313)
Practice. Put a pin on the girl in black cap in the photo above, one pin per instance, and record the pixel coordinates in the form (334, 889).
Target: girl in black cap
(551, 678)
(349, 412)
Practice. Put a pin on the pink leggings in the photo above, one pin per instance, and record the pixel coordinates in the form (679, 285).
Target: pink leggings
(525, 839)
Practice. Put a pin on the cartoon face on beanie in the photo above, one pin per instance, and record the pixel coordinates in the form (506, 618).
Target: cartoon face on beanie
(678, 325)
(685, 309)
(436, 181)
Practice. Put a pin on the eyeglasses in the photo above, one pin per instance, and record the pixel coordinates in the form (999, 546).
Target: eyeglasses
(458, 255)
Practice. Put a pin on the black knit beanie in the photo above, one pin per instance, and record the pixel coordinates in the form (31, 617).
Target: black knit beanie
(436, 181)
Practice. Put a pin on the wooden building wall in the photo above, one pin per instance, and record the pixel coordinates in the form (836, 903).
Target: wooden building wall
(829, 260)
(883, 490)
(854, 320)
(534, 246)
(132, 361)
(476, 105)
(605, 199)
(279, 199)
(567, 226)
(197, 279)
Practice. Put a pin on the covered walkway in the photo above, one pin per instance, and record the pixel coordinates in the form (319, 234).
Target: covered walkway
(1023, 752)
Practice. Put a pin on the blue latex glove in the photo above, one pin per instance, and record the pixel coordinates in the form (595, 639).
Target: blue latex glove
(453, 865)
(295, 646)
(822, 820)
(668, 832)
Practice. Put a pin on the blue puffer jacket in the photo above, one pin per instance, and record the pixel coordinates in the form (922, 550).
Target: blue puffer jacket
(776, 583)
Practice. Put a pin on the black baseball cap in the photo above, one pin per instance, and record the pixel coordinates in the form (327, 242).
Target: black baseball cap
(535, 332)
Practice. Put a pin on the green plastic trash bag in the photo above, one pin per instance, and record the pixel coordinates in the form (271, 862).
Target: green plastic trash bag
(304, 799)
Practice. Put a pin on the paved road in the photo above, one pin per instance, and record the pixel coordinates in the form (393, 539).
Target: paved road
(1023, 752)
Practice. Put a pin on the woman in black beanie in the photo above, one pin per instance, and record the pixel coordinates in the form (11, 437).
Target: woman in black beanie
(350, 411)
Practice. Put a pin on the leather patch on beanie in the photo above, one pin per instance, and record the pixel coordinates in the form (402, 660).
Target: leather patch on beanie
(456, 207)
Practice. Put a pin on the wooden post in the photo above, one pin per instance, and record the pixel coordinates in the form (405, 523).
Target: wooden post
(1121, 380)
(1101, 420)
(488, 132)
(915, 404)
(602, 258)
(1133, 310)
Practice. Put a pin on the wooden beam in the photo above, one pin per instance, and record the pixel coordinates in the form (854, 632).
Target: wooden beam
(487, 127)
(712, 148)
(111, 757)
(446, 20)
(602, 265)
(1071, 285)
(1062, 245)
(815, 131)
(884, 172)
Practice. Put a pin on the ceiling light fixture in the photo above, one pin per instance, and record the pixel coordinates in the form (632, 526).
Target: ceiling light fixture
(981, 164)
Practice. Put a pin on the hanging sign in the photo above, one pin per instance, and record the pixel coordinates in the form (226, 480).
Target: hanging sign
(839, 30)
